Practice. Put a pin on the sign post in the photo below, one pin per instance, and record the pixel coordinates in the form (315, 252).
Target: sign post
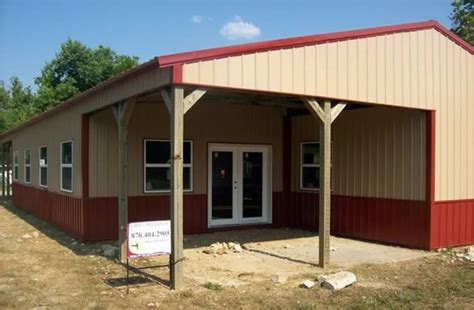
(151, 238)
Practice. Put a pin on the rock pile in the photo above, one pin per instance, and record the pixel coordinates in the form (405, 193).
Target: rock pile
(220, 248)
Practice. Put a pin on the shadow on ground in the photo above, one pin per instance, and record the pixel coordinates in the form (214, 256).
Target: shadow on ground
(256, 235)
(55, 234)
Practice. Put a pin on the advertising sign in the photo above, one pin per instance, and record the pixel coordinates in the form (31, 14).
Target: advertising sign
(149, 238)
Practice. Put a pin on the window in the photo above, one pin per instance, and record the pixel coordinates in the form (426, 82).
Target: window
(157, 172)
(66, 166)
(309, 173)
(16, 163)
(43, 166)
(27, 166)
(310, 164)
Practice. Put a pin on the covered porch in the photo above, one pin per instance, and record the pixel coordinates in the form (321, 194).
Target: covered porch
(242, 160)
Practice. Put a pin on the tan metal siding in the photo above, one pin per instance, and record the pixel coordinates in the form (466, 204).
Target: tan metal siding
(204, 123)
(469, 135)
(390, 69)
(377, 152)
(454, 128)
(58, 128)
(418, 69)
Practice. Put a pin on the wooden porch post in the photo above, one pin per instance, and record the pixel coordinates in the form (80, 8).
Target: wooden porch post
(177, 124)
(326, 115)
(177, 105)
(122, 112)
(325, 185)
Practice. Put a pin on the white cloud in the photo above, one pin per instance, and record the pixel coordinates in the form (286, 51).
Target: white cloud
(239, 29)
(197, 19)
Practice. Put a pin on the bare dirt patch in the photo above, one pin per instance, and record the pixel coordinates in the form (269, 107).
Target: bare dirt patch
(52, 270)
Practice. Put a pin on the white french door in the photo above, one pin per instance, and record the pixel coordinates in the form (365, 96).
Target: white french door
(239, 184)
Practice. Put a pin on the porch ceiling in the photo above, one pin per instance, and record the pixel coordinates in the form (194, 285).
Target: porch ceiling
(216, 95)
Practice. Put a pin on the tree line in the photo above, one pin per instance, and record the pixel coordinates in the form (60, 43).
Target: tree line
(73, 70)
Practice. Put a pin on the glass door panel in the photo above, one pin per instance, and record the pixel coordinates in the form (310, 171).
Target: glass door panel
(252, 184)
(222, 185)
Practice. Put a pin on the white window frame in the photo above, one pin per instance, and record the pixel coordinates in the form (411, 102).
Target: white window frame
(168, 165)
(26, 165)
(71, 165)
(303, 165)
(16, 165)
(42, 166)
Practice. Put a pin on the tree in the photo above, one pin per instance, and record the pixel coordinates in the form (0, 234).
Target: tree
(16, 104)
(462, 19)
(4, 98)
(75, 69)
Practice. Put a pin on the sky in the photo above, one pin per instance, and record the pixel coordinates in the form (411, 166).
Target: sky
(31, 31)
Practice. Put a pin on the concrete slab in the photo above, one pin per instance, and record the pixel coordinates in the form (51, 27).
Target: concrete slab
(344, 252)
(283, 251)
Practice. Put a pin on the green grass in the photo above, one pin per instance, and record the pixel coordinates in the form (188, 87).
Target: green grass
(404, 298)
(213, 286)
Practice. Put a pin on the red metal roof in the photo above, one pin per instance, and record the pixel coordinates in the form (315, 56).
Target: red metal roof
(193, 56)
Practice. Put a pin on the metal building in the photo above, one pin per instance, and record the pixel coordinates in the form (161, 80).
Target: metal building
(379, 121)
